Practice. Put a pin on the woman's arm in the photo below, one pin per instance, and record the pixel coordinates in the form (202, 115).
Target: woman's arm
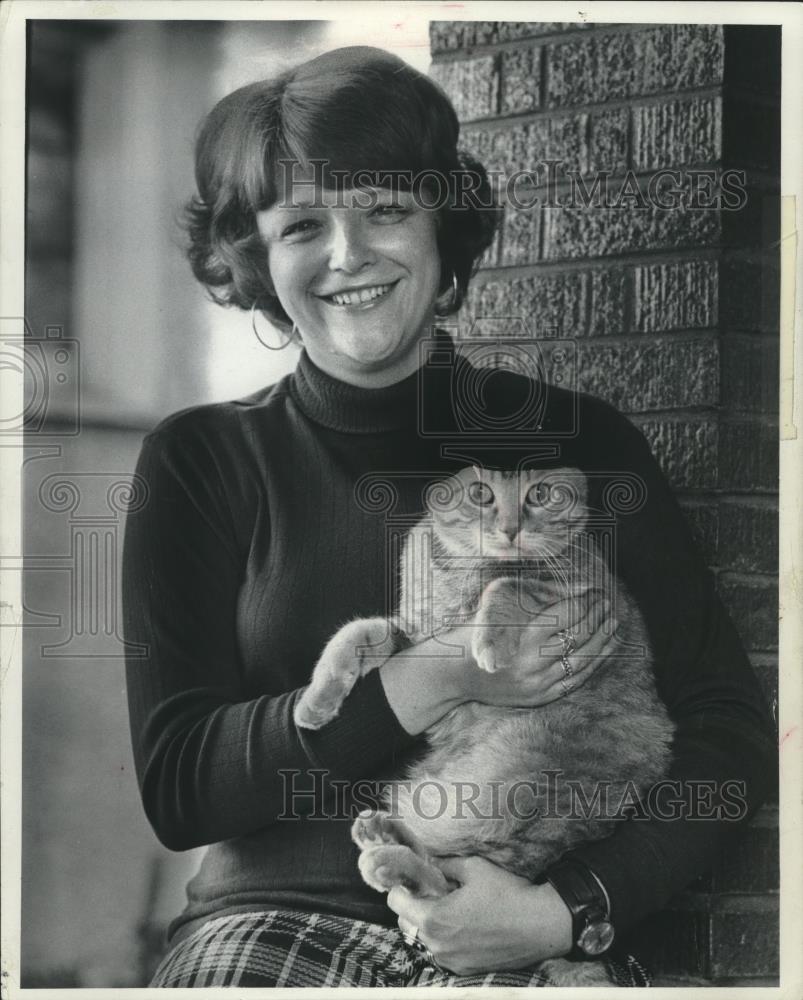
(208, 756)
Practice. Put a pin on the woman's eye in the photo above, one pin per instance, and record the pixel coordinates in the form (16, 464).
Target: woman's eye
(481, 494)
(304, 227)
(537, 495)
(389, 213)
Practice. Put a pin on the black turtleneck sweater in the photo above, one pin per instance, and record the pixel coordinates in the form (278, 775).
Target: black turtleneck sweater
(255, 546)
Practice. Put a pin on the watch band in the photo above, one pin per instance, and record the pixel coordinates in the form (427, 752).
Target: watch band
(587, 899)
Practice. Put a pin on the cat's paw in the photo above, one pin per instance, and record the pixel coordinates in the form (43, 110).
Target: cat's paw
(390, 865)
(497, 626)
(483, 652)
(562, 972)
(354, 650)
(371, 829)
(311, 713)
(494, 647)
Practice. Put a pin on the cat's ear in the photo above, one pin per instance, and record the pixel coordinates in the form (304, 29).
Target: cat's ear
(477, 472)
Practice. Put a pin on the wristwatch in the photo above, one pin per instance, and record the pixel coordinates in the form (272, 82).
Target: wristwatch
(587, 900)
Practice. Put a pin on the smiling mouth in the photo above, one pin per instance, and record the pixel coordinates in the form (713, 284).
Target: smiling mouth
(359, 296)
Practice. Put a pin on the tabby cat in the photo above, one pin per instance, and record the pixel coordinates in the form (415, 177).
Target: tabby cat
(494, 549)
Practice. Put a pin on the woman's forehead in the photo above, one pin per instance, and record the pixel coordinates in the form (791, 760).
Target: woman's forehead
(301, 196)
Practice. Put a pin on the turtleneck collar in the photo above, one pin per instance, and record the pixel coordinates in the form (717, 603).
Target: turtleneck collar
(353, 409)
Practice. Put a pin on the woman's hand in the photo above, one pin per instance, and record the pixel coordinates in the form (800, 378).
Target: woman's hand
(494, 920)
(534, 672)
(423, 682)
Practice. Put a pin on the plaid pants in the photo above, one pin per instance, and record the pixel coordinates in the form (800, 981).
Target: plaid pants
(288, 948)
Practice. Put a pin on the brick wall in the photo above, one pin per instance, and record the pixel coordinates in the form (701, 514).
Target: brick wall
(674, 317)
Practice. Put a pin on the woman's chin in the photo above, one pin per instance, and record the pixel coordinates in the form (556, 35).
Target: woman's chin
(370, 354)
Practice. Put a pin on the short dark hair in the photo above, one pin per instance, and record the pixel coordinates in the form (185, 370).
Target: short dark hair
(360, 109)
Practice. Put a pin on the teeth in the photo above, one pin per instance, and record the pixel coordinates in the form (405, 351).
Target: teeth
(361, 295)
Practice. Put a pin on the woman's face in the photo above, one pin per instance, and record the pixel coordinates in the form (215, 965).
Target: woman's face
(358, 272)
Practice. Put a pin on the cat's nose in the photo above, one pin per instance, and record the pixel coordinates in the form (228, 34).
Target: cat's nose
(510, 533)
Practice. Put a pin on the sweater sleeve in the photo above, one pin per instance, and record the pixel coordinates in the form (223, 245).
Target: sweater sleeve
(724, 738)
(208, 757)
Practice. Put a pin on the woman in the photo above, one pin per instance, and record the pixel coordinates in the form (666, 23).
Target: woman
(262, 536)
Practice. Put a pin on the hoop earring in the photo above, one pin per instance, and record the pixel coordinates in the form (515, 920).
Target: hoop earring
(264, 343)
(455, 299)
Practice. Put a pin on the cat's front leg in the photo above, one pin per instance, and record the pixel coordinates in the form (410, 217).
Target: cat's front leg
(498, 625)
(562, 972)
(356, 649)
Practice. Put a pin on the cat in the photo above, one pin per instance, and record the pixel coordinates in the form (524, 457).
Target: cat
(494, 549)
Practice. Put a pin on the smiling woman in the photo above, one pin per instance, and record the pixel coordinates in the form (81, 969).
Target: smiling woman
(261, 539)
(376, 135)
(359, 280)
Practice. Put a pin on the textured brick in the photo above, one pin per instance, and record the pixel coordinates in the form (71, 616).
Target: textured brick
(685, 449)
(521, 80)
(520, 236)
(608, 144)
(750, 296)
(658, 375)
(472, 85)
(677, 133)
(527, 147)
(748, 537)
(753, 605)
(750, 368)
(594, 232)
(608, 297)
(603, 67)
(448, 36)
(545, 303)
(563, 142)
(748, 456)
(703, 520)
(749, 862)
(491, 256)
(680, 295)
(509, 30)
(560, 138)
(746, 943)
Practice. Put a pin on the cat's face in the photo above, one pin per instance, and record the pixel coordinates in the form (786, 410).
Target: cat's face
(508, 515)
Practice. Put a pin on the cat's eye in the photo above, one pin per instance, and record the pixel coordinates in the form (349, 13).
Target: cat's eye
(481, 494)
(537, 495)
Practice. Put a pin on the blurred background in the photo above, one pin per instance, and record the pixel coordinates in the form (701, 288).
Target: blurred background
(116, 315)
(670, 315)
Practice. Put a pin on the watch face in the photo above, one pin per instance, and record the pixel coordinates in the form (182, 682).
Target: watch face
(596, 938)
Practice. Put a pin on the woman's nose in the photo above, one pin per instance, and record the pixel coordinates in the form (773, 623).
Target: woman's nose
(350, 250)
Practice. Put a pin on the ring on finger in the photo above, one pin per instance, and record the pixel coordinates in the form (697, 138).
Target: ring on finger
(566, 681)
(568, 641)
